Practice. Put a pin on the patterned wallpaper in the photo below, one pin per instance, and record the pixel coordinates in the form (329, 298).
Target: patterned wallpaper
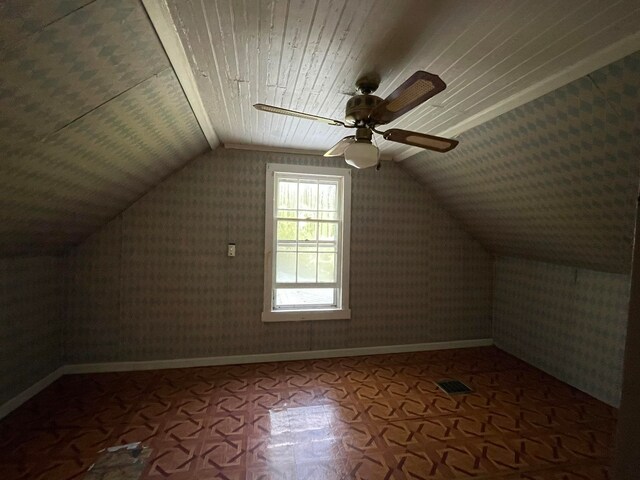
(31, 307)
(91, 117)
(569, 322)
(21, 18)
(156, 283)
(555, 179)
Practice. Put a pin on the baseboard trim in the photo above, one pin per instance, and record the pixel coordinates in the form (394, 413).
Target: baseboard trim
(270, 357)
(40, 385)
(10, 405)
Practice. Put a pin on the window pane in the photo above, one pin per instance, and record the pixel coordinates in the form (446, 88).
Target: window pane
(291, 297)
(285, 267)
(307, 231)
(328, 231)
(287, 194)
(327, 196)
(326, 267)
(307, 267)
(307, 251)
(308, 196)
(286, 230)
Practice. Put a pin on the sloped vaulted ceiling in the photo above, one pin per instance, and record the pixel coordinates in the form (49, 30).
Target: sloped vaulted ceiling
(91, 117)
(307, 54)
(555, 179)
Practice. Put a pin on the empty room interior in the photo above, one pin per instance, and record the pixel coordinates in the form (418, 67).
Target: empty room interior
(319, 239)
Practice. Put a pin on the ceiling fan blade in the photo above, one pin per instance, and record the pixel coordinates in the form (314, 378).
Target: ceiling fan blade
(418, 88)
(338, 149)
(422, 140)
(293, 113)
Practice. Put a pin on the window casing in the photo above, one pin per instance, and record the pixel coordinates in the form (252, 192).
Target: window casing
(307, 228)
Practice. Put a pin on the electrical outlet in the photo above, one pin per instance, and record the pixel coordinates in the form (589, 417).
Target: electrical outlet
(231, 250)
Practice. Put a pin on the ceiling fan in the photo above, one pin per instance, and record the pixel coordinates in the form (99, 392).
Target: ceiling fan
(365, 112)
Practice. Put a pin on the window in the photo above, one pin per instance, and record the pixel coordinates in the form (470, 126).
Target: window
(307, 243)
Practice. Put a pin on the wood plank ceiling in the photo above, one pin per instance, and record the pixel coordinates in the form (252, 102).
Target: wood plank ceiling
(307, 54)
(91, 117)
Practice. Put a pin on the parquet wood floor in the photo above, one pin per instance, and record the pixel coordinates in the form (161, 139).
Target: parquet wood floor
(371, 417)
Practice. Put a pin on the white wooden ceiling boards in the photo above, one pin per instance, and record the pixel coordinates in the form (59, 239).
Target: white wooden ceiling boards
(307, 54)
(96, 107)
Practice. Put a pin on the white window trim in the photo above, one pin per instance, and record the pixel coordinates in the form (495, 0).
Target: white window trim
(342, 313)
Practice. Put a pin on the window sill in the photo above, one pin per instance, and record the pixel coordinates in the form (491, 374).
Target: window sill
(306, 315)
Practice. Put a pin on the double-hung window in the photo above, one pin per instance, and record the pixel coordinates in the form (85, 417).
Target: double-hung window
(307, 243)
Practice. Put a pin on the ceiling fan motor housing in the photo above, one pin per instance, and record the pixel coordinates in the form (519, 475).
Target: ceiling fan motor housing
(359, 108)
(366, 111)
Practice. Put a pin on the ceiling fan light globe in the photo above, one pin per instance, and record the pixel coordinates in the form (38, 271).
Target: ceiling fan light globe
(362, 155)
